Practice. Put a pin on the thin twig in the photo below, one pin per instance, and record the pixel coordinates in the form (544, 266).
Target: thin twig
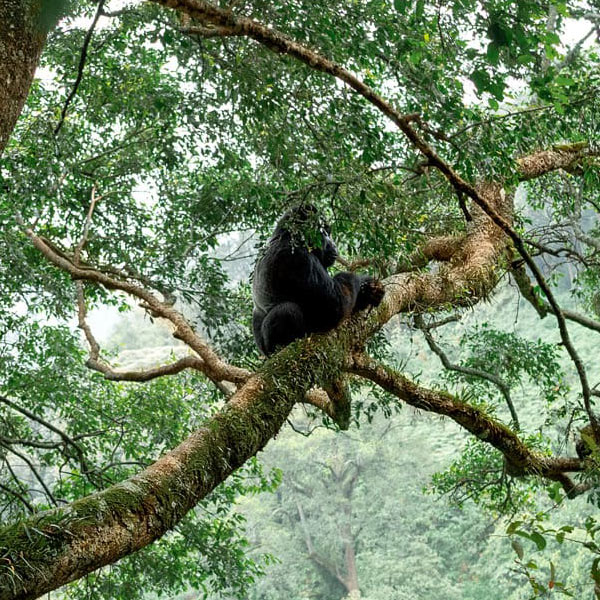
(542, 307)
(576, 49)
(19, 496)
(35, 473)
(67, 439)
(86, 228)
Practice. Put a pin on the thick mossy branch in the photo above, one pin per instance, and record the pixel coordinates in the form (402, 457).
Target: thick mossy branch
(441, 249)
(54, 547)
(470, 273)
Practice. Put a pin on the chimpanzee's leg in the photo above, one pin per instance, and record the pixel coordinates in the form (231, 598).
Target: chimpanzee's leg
(282, 325)
(258, 317)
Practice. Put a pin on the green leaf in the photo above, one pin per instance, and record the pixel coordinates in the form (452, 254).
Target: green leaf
(564, 80)
(481, 80)
(512, 527)
(493, 53)
(523, 59)
(497, 89)
(539, 540)
(415, 57)
(493, 103)
(518, 548)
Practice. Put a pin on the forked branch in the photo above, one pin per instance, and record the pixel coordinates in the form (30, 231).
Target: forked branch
(211, 364)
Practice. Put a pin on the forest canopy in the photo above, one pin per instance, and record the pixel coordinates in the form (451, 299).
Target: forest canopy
(149, 149)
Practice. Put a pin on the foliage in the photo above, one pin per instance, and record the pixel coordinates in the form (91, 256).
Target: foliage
(516, 360)
(193, 147)
(480, 475)
(543, 579)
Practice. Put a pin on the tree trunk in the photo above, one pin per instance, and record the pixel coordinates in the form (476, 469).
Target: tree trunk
(21, 41)
(351, 578)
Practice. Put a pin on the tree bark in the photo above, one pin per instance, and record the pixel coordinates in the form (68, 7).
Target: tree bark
(22, 38)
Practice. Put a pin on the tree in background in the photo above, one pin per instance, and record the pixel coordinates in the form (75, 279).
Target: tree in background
(162, 128)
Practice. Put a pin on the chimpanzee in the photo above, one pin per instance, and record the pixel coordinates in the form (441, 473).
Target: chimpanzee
(293, 293)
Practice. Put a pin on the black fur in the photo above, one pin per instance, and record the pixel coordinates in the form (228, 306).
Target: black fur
(293, 293)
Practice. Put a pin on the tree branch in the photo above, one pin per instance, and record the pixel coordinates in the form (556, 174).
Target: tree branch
(540, 163)
(94, 362)
(521, 459)
(52, 548)
(80, 67)
(469, 371)
(35, 472)
(574, 52)
(210, 32)
(543, 308)
(212, 366)
(315, 556)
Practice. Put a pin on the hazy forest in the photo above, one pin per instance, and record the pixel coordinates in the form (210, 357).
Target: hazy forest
(443, 445)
